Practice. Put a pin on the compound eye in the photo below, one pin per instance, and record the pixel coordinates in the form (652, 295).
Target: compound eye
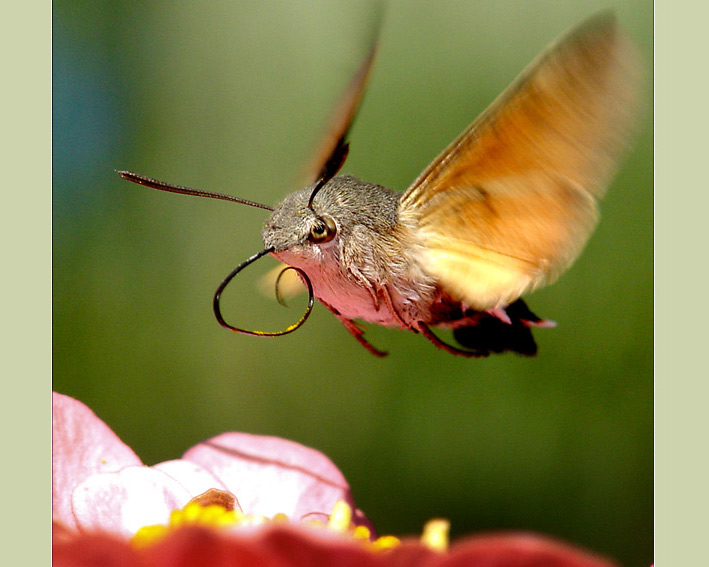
(324, 230)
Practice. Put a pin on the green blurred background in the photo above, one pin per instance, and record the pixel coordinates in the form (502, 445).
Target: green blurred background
(231, 97)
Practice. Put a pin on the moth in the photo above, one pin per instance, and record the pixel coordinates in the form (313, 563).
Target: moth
(503, 210)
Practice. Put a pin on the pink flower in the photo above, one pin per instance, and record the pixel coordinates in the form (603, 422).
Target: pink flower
(100, 484)
(111, 510)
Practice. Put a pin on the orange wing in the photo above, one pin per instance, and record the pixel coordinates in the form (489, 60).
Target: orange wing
(511, 202)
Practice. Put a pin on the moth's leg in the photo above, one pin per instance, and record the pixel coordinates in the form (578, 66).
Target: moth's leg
(519, 311)
(356, 331)
(541, 324)
(426, 332)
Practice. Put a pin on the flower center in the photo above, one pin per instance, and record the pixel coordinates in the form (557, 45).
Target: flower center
(215, 509)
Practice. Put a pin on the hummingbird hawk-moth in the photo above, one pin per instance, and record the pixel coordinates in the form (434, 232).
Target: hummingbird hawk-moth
(503, 210)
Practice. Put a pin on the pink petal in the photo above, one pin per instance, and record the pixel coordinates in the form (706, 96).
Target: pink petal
(82, 445)
(270, 475)
(192, 476)
(124, 501)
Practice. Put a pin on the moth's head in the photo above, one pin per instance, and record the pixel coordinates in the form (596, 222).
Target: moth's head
(314, 228)
(297, 231)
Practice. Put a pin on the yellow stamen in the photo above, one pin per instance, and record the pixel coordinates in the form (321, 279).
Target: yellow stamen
(385, 542)
(362, 532)
(340, 517)
(193, 514)
(435, 534)
(198, 512)
(148, 535)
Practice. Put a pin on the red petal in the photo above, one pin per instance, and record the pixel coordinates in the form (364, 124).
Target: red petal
(279, 545)
(518, 550)
(199, 547)
(94, 550)
(299, 547)
(411, 553)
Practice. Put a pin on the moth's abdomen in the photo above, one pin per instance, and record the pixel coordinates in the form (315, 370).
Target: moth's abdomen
(492, 335)
(487, 332)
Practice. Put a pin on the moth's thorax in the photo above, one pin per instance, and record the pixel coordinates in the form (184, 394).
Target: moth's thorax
(366, 271)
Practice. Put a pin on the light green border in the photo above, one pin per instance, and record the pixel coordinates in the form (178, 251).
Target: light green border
(681, 218)
(25, 248)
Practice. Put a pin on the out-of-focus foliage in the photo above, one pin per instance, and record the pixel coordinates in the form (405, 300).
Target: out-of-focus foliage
(230, 97)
